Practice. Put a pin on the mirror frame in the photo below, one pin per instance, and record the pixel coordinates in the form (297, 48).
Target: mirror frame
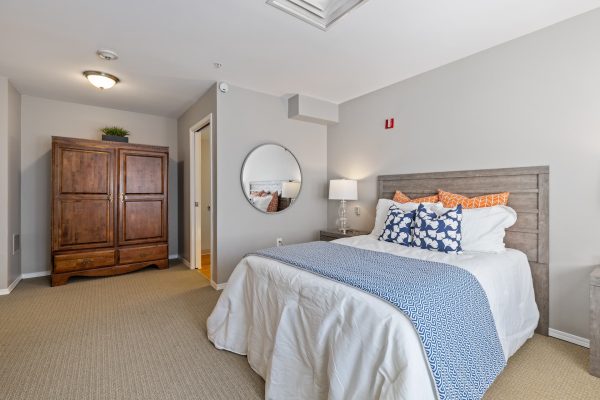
(242, 177)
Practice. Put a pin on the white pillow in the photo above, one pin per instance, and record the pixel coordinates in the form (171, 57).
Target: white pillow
(383, 206)
(262, 203)
(483, 229)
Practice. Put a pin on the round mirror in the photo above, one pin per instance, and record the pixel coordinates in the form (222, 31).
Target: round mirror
(271, 178)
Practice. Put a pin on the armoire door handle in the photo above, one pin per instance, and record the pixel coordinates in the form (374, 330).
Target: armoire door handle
(123, 198)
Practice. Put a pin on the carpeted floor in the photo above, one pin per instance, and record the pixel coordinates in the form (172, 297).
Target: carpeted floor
(143, 336)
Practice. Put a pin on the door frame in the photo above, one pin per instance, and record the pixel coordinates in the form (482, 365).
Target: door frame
(208, 120)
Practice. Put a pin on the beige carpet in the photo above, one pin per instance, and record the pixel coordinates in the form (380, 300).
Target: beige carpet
(143, 336)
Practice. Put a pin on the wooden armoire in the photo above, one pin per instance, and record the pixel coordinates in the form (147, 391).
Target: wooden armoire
(109, 208)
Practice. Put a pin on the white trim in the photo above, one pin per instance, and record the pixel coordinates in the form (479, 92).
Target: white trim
(217, 286)
(568, 337)
(35, 274)
(186, 263)
(174, 257)
(208, 120)
(10, 287)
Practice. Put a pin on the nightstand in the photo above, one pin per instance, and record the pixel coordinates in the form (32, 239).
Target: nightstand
(327, 236)
(595, 322)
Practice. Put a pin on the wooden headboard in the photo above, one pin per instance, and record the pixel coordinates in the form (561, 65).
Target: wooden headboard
(528, 189)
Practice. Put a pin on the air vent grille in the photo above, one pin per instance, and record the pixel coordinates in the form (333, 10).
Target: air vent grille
(320, 13)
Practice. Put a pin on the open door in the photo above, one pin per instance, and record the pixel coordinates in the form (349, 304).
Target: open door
(202, 198)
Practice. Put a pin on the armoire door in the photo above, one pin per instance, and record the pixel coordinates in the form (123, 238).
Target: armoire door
(83, 189)
(143, 199)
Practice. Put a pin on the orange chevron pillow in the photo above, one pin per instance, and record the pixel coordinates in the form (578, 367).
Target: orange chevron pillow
(451, 200)
(400, 197)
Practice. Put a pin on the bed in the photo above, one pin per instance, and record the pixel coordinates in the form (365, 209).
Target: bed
(269, 187)
(310, 337)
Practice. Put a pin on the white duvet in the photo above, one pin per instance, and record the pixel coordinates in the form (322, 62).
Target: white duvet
(313, 338)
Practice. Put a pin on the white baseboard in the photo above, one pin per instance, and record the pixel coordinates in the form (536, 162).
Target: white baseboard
(10, 287)
(35, 274)
(186, 263)
(567, 337)
(174, 257)
(217, 286)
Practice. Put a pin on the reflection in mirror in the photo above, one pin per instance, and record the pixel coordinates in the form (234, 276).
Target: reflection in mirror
(271, 178)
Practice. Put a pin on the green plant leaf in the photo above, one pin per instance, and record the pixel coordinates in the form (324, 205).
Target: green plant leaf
(115, 131)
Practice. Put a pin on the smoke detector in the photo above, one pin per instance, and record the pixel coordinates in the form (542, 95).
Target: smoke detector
(107, 55)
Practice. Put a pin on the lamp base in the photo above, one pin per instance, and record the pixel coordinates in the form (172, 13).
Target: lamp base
(342, 219)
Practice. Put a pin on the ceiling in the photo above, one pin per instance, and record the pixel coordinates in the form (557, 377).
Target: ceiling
(167, 48)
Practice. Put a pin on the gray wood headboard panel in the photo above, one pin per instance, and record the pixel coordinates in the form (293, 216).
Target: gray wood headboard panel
(528, 187)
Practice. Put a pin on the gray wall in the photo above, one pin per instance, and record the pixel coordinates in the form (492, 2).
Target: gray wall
(245, 120)
(532, 101)
(3, 183)
(14, 179)
(41, 119)
(206, 105)
(10, 181)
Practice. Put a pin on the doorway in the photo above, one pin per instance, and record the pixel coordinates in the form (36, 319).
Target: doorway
(201, 198)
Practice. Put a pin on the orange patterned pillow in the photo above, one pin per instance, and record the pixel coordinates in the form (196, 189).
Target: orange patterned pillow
(400, 197)
(450, 200)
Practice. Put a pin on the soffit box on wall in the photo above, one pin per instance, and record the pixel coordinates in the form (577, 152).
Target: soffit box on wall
(309, 109)
(320, 13)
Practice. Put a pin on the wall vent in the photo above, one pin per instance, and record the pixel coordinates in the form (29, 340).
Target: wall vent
(320, 13)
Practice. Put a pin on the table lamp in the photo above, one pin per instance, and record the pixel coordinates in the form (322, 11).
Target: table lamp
(290, 190)
(343, 190)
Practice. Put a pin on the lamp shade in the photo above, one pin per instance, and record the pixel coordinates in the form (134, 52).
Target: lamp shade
(290, 190)
(342, 189)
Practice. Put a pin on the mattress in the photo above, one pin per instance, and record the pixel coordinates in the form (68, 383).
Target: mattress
(313, 338)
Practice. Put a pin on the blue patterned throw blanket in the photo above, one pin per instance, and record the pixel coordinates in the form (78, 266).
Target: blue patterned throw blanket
(446, 304)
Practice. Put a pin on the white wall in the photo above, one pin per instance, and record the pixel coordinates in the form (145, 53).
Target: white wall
(42, 119)
(10, 180)
(245, 120)
(532, 101)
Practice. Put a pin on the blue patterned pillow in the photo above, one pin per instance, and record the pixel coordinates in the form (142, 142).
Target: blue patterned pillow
(398, 226)
(441, 233)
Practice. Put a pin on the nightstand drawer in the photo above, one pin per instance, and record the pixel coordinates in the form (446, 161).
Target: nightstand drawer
(327, 236)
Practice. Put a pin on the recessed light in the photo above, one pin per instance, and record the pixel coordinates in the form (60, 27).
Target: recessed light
(101, 80)
(107, 55)
(217, 65)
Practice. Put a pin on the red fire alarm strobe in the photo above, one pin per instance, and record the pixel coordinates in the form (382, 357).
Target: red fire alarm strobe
(389, 123)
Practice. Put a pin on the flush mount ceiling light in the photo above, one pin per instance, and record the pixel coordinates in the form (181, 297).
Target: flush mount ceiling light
(101, 80)
(320, 13)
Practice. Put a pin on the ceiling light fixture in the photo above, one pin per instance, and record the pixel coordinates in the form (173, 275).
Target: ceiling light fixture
(217, 65)
(107, 55)
(319, 13)
(101, 80)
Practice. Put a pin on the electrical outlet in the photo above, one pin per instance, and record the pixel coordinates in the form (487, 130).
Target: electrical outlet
(279, 242)
(16, 243)
(357, 210)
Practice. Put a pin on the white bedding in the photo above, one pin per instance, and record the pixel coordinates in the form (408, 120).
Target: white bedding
(313, 338)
